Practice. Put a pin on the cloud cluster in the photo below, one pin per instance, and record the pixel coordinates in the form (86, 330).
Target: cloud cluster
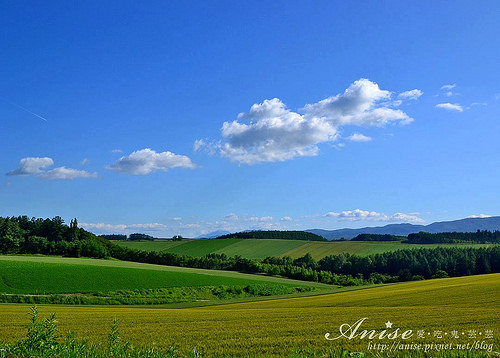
(147, 161)
(123, 228)
(364, 215)
(34, 166)
(270, 132)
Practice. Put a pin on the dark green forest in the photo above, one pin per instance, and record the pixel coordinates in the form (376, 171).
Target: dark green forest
(478, 237)
(274, 234)
(22, 235)
(377, 237)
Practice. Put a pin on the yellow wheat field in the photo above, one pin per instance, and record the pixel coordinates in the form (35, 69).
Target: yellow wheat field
(276, 327)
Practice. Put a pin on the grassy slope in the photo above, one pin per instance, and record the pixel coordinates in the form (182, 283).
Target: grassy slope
(31, 274)
(251, 248)
(260, 248)
(150, 245)
(202, 247)
(276, 327)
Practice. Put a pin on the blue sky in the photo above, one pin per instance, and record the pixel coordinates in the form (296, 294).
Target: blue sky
(186, 117)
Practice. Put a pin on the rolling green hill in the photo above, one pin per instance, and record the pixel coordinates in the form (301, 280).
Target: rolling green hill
(32, 274)
(261, 248)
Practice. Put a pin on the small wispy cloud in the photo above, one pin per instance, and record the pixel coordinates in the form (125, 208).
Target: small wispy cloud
(365, 215)
(413, 94)
(63, 173)
(480, 216)
(358, 137)
(448, 87)
(116, 151)
(85, 161)
(450, 107)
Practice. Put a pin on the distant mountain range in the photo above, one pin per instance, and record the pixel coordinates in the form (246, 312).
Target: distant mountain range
(462, 225)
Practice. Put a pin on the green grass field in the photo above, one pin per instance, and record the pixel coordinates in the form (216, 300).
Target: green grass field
(32, 274)
(259, 249)
(275, 327)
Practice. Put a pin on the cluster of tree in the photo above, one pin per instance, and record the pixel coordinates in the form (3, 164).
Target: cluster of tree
(425, 263)
(21, 235)
(478, 237)
(115, 237)
(140, 237)
(377, 237)
(274, 234)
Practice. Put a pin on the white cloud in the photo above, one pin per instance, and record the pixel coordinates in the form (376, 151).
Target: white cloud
(358, 137)
(480, 216)
(286, 218)
(450, 107)
(270, 132)
(116, 151)
(147, 161)
(123, 228)
(358, 105)
(85, 161)
(413, 94)
(199, 143)
(363, 215)
(63, 173)
(34, 166)
(103, 227)
(176, 219)
(31, 165)
(448, 87)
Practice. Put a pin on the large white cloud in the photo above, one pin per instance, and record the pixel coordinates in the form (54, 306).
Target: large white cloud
(270, 132)
(364, 215)
(63, 173)
(146, 161)
(359, 105)
(32, 165)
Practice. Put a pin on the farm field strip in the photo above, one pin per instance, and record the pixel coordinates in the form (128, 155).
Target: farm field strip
(276, 327)
(261, 248)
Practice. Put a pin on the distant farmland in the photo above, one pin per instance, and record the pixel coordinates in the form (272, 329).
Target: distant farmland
(261, 248)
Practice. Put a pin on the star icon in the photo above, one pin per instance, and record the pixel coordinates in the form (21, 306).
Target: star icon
(388, 324)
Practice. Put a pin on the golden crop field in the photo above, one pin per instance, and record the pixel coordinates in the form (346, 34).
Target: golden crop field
(275, 327)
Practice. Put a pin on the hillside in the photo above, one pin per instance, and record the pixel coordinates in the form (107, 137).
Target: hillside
(462, 225)
(90, 281)
(262, 248)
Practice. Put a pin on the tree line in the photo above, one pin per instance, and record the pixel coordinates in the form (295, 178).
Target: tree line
(478, 237)
(274, 234)
(20, 235)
